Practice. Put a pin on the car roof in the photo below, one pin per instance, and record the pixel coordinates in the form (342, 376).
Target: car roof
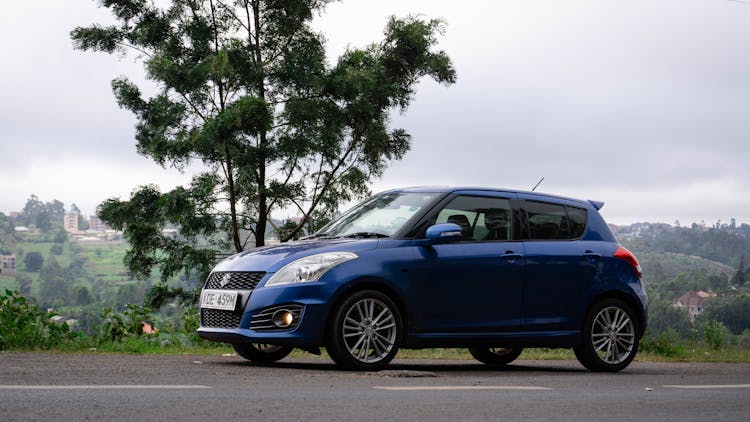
(449, 189)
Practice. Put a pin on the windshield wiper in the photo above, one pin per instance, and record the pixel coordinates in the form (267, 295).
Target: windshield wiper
(366, 235)
(320, 236)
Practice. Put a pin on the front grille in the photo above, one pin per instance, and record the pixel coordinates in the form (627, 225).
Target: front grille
(263, 320)
(234, 280)
(218, 318)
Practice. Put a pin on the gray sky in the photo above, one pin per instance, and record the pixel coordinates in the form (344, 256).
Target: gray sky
(641, 104)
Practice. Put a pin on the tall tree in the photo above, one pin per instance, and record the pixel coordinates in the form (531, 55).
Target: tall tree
(31, 210)
(244, 88)
(33, 261)
(740, 276)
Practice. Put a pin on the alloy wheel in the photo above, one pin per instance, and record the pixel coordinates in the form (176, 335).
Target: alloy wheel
(369, 330)
(613, 335)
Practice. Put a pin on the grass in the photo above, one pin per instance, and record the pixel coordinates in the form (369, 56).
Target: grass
(146, 345)
(7, 283)
(699, 354)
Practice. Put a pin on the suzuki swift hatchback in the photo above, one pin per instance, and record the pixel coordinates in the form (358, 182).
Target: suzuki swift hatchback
(494, 271)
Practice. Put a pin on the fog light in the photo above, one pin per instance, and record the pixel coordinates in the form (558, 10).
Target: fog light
(282, 318)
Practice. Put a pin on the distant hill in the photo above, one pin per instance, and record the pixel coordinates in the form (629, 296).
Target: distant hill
(725, 244)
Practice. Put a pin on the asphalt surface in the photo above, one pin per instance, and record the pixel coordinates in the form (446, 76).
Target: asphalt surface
(62, 387)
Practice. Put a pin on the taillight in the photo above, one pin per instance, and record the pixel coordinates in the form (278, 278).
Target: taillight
(628, 257)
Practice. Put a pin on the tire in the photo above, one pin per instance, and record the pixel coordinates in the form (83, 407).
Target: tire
(495, 355)
(365, 331)
(264, 353)
(610, 337)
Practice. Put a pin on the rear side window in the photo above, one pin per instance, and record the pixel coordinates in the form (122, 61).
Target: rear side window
(577, 220)
(555, 221)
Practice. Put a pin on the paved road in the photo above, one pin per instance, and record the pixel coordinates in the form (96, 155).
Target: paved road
(62, 387)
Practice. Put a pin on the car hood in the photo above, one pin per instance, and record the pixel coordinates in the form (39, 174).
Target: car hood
(272, 258)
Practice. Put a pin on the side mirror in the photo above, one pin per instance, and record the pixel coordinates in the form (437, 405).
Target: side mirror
(444, 233)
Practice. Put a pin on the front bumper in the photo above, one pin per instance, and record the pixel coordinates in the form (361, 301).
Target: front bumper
(315, 299)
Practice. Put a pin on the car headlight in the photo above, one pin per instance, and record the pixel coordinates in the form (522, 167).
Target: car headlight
(309, 268)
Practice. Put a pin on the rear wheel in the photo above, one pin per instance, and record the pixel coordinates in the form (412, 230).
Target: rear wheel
(366, 331)
(266, 353)
(610, 337)
(495, 355)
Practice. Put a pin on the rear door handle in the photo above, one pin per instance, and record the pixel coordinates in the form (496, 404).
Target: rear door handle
(511, 256)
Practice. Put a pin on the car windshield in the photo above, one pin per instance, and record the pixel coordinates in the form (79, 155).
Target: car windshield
(379, 216)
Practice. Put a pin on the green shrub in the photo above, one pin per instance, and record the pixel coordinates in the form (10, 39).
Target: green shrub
(668, 343)
(24, 326)
(116, 326)
(715, 334)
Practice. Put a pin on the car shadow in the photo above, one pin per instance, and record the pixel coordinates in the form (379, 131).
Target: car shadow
(406, 368)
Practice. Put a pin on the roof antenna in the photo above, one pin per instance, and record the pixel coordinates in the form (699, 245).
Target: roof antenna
(538, 183)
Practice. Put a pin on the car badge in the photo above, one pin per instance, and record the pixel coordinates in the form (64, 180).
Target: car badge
(225, 280)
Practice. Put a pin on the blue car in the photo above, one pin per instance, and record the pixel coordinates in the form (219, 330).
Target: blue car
(494, 271)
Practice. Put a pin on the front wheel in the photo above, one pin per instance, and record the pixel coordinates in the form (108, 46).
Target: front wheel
(610, 337)
(264, 353)
(495, 355)
(366, 331)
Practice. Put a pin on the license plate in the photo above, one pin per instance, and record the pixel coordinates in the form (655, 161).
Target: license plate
(219, 299)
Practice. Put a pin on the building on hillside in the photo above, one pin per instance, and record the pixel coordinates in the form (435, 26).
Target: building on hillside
(96, 223)
(8, 264)
(693, 301)
(70, 222)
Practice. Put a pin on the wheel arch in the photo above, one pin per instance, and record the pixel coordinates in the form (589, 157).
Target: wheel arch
(368, 283)
(629, 300)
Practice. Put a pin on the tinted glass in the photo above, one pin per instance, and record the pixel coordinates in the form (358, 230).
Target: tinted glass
(480, 218)
(547, 221)
(577, 220)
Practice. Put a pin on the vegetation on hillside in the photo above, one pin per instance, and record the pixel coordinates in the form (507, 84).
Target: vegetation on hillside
(676, 260)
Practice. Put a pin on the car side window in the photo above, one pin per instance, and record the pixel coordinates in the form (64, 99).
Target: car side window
(555, 221)
(547, 221)
(480, 218)
(577, 220)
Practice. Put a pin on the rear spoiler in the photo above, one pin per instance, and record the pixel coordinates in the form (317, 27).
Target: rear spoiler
(597, 204)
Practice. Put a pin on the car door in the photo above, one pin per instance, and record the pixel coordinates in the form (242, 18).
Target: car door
(559, 266)
(475, 284)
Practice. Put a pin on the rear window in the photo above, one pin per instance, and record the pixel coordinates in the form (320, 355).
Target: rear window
(555, 221)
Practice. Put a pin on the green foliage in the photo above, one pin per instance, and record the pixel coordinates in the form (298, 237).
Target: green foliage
(720, 244)
(116, 326)
(740, 276)
(731, 311)
(24, 284)
(61, 236)
(33, 261)
(53, 283)
(715, 334)
(667, 343)
(244, 88)
(45, 216)
(24, 326)
(190, 323)
(56, 249)
(663, 317)
(145, 219)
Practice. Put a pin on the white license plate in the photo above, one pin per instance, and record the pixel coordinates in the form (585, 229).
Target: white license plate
(219, 299)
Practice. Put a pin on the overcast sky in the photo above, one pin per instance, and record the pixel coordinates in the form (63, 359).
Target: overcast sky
(642, 104)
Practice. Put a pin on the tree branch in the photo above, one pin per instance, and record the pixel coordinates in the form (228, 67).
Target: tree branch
(231, 12)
